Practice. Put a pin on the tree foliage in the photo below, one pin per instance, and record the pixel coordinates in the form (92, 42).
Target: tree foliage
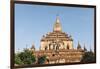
(88, 57)
(25, 57)
(18, 60)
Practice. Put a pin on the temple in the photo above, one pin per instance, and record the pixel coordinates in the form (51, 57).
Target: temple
(58, 46)
(57, 39)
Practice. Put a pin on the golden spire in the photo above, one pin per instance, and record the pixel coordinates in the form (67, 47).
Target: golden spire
(57, 25)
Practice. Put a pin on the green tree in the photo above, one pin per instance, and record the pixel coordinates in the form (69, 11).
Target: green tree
(41, 59)
(18, 60)
(88, 57)
(25, 57)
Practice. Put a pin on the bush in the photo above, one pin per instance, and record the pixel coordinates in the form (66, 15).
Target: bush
(41, 59)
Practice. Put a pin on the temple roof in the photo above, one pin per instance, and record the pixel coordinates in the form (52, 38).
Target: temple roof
(57, 33)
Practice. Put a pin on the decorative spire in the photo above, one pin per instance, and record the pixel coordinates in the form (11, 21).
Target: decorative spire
(57, 25)
(33, 47)
(85, 48)
(79, 46)
(57, 19)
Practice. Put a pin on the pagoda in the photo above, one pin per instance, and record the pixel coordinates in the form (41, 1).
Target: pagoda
(57, 39)
(57, 46)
